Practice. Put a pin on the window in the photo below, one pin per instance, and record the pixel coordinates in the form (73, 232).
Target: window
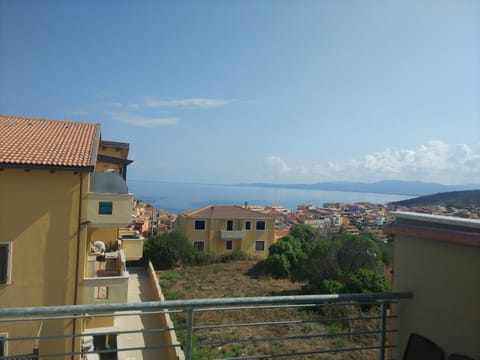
(229, 245)
(5, 262)
(100, 292)
(199, 245)
(229, 225)
(260, 225)
(105, 208)
(248, 225)
(3, 344)
(259, 245)
(199, 224)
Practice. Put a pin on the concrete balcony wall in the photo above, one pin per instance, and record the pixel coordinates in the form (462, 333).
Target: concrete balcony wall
(121, 209)
(105, 290)
(231, 235)
(438, 259)
(133, 249)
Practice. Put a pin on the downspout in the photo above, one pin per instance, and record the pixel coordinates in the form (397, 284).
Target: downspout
(77, 260)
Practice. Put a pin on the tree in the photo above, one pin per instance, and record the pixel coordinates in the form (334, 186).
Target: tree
(306, 234)
(168, 250)
(336, 259)
(358, 252)
(285, 257)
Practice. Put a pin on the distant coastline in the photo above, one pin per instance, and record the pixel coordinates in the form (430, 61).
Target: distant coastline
(176, 197)
(395, 187)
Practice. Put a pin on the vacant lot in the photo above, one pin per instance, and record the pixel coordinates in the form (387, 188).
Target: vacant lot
(246, 278)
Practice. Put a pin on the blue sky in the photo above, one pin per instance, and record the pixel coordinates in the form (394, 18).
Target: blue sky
(257, 91)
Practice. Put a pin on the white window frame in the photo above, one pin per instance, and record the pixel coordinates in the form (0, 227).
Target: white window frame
(204, 225)
(260, 241)
(233, 225)
(228, 242)
(245, 225)
(199, 241)
(9, 245)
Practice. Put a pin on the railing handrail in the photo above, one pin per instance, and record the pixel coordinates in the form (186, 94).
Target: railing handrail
(199, 303)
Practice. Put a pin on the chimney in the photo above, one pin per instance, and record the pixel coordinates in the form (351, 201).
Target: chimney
(246, 205)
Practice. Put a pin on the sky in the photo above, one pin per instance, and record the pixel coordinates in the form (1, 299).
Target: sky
(232, 91)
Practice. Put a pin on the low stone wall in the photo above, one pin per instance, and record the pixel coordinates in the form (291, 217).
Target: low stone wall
(166, 321)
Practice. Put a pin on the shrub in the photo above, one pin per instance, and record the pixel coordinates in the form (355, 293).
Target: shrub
(366, 281)
(278, 265)
(285, 257)
(235, 255)
(168, 250)
(331, 287)
(200, 257)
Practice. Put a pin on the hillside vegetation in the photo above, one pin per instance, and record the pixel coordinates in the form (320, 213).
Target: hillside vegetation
(459, 199)
(247, 278)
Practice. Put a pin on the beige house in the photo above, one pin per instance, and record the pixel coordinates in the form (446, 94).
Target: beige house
(64, 206)
(222, 228)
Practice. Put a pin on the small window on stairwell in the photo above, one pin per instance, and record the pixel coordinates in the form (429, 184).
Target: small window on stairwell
(229, 245)
(105, 208)
(248, 225)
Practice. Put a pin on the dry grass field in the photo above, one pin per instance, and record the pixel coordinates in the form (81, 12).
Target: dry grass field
(246, 278)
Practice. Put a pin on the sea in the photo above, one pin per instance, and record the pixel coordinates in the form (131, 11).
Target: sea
(177, 197)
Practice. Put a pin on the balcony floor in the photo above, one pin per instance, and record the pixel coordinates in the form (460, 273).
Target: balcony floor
(106, 268)
(139, 290)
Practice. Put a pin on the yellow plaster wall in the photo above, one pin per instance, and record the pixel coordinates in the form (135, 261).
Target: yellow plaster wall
(444, 279)
(112, 151)
(39, 216)
(102, 166)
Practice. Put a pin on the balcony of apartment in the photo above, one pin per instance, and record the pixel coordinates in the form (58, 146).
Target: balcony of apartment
(435, 294)
(108, 201)
(231, 235)
(106, 278)
(132, 243)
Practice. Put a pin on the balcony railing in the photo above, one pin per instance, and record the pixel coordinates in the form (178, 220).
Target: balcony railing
(320, 320)
(107, 182)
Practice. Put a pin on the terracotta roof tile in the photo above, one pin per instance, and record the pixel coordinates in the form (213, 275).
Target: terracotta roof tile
(44, 142)
(225, 212)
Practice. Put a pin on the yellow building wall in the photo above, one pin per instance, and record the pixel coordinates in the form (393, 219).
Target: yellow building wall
(102, 166)
(40, 217)
(112, 151)
(213, 242)
(444, 279)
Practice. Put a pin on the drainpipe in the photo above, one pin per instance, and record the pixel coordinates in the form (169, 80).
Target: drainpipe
(77, 260)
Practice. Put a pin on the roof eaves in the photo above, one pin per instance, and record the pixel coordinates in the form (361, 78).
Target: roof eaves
(96, 142)
(89, 168)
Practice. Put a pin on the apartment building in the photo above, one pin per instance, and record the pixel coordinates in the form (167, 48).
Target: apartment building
(222, 228)
(63, 212)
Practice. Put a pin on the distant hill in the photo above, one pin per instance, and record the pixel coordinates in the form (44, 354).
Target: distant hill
(457, 199)
(397, 187)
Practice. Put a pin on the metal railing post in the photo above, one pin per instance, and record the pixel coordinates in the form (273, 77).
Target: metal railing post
(189, 336)
(383, 331)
